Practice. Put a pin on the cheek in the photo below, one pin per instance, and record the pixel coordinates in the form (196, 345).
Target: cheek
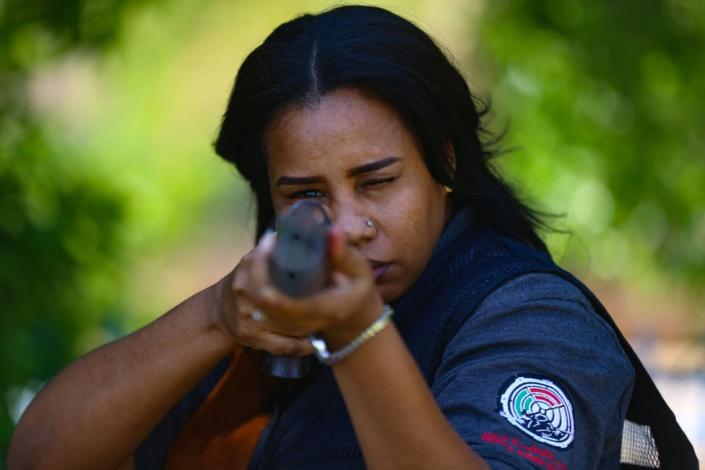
(400, 213)
(414, 221)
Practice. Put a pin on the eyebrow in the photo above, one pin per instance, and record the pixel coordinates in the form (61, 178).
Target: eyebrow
(374, 166)
(358, 170)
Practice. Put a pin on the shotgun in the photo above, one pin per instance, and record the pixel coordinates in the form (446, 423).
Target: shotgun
(299, 267)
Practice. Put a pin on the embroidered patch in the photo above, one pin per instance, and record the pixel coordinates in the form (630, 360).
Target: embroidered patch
(539, 408)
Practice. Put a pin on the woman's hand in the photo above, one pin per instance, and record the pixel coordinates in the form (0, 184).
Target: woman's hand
(234, 314)
(340, 312)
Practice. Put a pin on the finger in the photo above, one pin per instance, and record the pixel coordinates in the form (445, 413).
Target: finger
(257, 321)
(260, 253)
(284, 345)
(320, 309)
(326, 305)
(287, 315)
(266, 243)
(277, 312)
(257, 276)
(344, 257)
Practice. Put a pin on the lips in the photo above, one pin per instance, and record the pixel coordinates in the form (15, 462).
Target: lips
(379, 268)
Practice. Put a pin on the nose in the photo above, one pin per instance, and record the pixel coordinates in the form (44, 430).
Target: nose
(355, 222)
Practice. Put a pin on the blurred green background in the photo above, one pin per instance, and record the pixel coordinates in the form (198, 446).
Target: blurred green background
(113, 207)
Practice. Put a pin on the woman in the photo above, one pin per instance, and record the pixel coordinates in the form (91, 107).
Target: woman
(495, 358)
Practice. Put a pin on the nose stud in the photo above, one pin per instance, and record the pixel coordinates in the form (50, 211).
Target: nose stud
(368, 223)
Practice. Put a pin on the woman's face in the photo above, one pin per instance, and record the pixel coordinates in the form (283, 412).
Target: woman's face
(354, 155)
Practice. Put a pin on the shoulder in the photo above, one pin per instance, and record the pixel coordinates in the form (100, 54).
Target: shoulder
(534, 286)
(546, 307)
(543, 316)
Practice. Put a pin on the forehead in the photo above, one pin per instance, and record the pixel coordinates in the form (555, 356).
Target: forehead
(344, 128)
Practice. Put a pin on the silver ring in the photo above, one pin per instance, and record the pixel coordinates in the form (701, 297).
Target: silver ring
(257, 315)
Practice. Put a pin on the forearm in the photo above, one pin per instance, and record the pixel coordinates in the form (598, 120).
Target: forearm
(97, 411)
(395, 417)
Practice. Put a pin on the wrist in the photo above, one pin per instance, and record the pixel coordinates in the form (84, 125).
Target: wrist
(331, 357)
(219, 300)
(342, 333)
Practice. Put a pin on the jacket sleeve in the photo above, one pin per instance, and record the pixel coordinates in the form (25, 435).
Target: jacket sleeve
(536, 379)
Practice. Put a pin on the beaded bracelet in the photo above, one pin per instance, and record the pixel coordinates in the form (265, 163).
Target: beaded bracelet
(329, 358)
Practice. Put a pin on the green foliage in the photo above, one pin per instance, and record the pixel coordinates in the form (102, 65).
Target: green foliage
(59, 229)
(58, 240)
(605, 104)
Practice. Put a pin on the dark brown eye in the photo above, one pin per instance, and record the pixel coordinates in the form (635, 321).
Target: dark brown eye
(378, 182)
(306, 194)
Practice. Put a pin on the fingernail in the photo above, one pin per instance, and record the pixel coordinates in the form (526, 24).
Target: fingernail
(267, 240)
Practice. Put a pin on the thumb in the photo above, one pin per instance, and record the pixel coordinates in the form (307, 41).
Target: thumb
(343, 257)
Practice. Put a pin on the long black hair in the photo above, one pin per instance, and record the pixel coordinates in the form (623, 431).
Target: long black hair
(378, 52)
